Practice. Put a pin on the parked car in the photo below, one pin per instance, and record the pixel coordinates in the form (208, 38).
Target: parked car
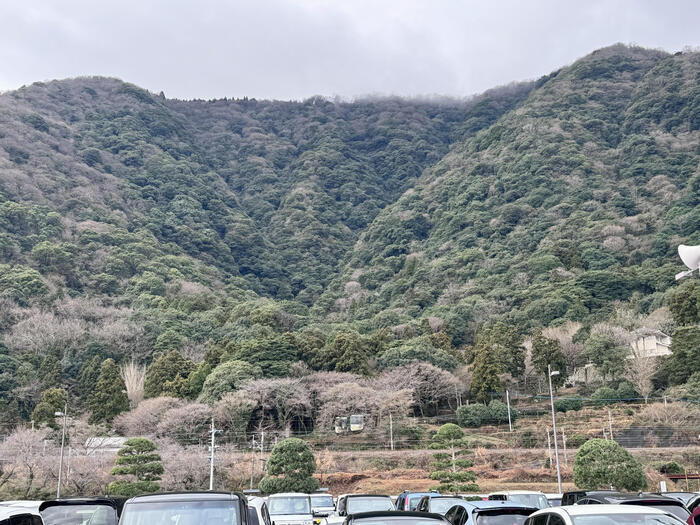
(359, 503)
(694, 518)
(290, 508)
(531, 498)
(683, 497)
(409, 500)
(395, 518)
(666, 504)
(489, 512)
(554, 499)
(187, 508)
(602, 515)
(68, 511)
(19, 516)
(257, 511)
(322, 504)
(439, 504)
(571, 497)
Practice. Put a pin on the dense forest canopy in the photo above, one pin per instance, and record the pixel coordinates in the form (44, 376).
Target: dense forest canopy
(228, 241)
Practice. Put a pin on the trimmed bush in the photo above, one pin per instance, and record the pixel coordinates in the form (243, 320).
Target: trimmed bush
(472, 415)
(605, 396)
(566, 404)
(498, 412)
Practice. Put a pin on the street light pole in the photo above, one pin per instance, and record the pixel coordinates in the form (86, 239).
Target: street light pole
(63, 442)
(213, 432)
(551, 373)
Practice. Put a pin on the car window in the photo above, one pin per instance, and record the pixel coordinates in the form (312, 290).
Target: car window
(324, 500)
(626, 519)
(23, 519)
(253, 516)
(531, 500)
(80, 514)
(555, 519)
(442, 505)
(502, 516)
(289, 505)
(540, 520)
(357, 504)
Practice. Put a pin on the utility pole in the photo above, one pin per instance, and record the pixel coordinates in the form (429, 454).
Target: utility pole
(212, 447)
(510, 423)
(563, 440)
(391, 431)
(610, 424)
(63, 443)
(252, 463)
(549, 449)
(554, 424)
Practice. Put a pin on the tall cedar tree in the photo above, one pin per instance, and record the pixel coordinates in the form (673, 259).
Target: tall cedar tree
(290, 468)
(166, 368)
(140, 464)
(450, 469)
(109, 398)
(52, 400)
(485, 374)
(545, 352)
(507, 343)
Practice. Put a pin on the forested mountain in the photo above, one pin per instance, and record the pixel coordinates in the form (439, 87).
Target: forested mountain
(352, 236)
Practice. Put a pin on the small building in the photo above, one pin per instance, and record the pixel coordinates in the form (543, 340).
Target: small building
(95, 446)
(651, 343)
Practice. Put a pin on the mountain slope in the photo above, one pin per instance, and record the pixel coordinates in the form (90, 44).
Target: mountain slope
(572, 201)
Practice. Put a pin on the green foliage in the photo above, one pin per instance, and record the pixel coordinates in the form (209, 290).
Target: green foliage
(166, 368)
(274, 355)
(685, 303)
(604, 352)
(498, 413)
(605, 396)
(108, 399)
(672, 467)
(52, 400)
(576, 440)
(685, 353)
(485, 375)
(567, 404)
(690, 390)
(414, 350)
(451, 469)
(507, 343)
(290, 468)
(228, 377)
(473, 415)
(21, 284)
(600, 464)
(547, 353)
(140, 464)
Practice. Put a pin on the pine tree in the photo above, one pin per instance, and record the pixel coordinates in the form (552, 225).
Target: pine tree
(109, 398)
(52, 400)
(452, 470)
(547, 352)
(50, 372)
(485, 374)
(143, 468)
(88, 376)
(290, 468)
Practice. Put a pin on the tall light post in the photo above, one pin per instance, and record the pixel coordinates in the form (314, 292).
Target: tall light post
(63, 442)
(550, 374)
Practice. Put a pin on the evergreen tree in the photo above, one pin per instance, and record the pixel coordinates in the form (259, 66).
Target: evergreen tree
(290, 468)
(601, 464)
(88, 376)
(352, 356)
(507, 344)
(50, 372)
(166, 368)
(52, 400)
(140, 464)
(109, 398)
(606, 354)
(546, 352)
(485, 374)
(450, 468)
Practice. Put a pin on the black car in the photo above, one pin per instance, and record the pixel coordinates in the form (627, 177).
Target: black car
(489, 512)
(77, 511)
(191, 508)
(395, 517)
(573, 496)
(670, 505)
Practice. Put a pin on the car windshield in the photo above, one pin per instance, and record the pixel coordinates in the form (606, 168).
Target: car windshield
(531, 500)
(288, 505)
(676, 510)
(414, 501)
(357, 504)
(221, 512)
(397, 520)
(442, 505)
(625, 519)
(321, 501)
(502, 517)
(80, 515)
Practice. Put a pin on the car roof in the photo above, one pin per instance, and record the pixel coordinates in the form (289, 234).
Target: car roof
(514, 492)
(368, 496)
(184, 496)
(288, 495)
(397, 513)
(492, 504)
(583, 510)
(622, 497)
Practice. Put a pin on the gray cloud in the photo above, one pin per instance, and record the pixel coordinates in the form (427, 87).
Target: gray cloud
(293, 49)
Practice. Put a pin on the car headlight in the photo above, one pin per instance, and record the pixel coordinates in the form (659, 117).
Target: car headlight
(308, 522)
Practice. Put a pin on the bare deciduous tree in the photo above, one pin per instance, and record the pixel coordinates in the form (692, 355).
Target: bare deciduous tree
(134, 376)
(143, 420)
(30, 453)
(639, 370)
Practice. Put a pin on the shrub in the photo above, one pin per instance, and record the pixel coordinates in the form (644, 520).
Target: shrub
(627, 392)
(672, 467)
(290, 468)
(605, 396)
(566, 404)
(576, 440)
(600, 464)
(498, 412)
(472, 415)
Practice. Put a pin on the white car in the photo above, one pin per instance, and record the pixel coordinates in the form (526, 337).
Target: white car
(290, 508)
(9, 515)
(257, 511)
(531, 498)
(602, 515)
(354, 503)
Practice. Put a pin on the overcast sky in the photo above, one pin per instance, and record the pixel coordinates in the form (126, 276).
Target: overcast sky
(293, 49)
